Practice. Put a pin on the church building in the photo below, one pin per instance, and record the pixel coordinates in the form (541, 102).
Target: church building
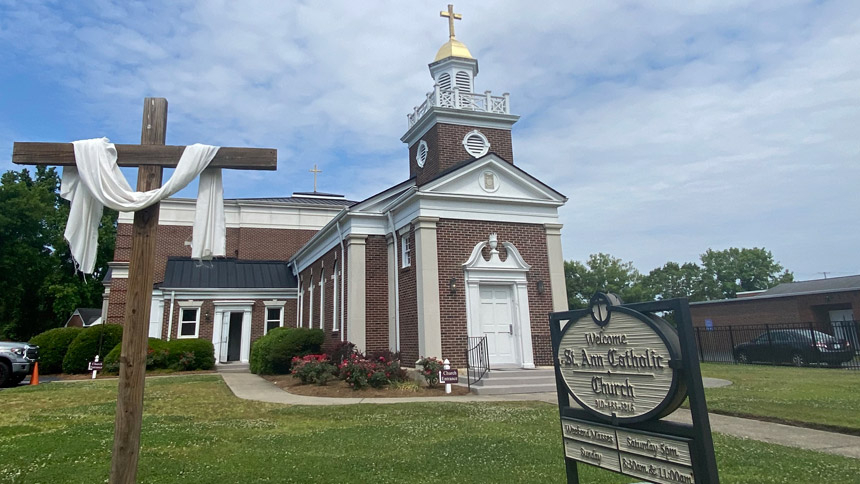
(468, 247)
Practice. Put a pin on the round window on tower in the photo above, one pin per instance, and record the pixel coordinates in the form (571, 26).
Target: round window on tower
(476, 144)
(421, 154)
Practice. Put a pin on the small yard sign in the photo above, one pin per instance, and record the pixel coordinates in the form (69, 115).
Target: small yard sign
(619, 369)
(449, 376)
(96, 366)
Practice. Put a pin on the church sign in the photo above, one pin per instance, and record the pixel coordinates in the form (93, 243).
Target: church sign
(624, 368)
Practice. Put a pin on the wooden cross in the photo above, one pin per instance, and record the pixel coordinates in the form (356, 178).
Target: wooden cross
(315, 171)
(150, 156)
(451, 17)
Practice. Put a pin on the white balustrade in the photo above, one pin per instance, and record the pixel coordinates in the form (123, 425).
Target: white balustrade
(456, 99)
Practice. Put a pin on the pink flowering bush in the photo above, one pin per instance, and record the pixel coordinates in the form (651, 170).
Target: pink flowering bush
(313, 369)
(361, 373)
(430, 368)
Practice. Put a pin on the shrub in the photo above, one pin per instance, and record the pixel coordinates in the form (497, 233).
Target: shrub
(53, 345)
(360, 373)
(88, 343)
(343, 351)
(178, 354)
(190, 354)
(273, 353)
(156, 356)
(313, 369)
(430, 368)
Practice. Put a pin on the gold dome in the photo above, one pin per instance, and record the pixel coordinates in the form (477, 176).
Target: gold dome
(453, 48)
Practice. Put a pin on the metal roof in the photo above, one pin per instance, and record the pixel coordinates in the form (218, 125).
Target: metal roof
(846, 283)
(800, 288)
(342, 202)
(183, 272)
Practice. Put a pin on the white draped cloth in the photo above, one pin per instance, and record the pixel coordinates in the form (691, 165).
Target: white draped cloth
(97, 182)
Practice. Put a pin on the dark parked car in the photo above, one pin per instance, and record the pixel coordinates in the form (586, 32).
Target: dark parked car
(796, 346)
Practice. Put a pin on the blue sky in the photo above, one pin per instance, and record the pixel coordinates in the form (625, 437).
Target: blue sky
(673, 127)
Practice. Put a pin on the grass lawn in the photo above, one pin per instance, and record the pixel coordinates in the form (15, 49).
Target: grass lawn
(195, 430)
(815, 397)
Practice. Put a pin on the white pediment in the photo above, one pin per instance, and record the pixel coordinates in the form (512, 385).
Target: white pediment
(491, 177)
(514, 262)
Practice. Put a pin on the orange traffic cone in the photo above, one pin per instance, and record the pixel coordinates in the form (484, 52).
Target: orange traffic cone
(34, 378)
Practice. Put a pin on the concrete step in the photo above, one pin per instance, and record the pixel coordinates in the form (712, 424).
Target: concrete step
(512, 381)
(513, 389)
(519, 373)
(516, 380)
(233, 367)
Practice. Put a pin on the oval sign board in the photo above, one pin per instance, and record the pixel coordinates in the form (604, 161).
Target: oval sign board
(621, 364)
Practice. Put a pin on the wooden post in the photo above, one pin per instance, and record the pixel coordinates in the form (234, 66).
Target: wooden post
(132, 366)
(150, 157)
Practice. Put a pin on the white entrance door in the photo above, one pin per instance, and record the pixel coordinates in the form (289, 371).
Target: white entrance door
(156, 315)
(497, 324)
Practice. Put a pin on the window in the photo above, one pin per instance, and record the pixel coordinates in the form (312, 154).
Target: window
(322, 297)
(405, 250)
(189, 323)
(301, 310)
(274, 318)
(335, 275)
(311, 303)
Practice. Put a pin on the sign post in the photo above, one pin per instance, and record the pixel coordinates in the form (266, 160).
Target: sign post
(619, 370)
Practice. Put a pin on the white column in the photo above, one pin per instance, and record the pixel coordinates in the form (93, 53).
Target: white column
(556, 267)
(356, 293)
(392, 308)
(427, 282)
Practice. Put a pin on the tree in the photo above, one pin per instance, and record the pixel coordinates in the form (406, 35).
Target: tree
(39, 287)
(602, 273)
(728, 272)
(674, 280)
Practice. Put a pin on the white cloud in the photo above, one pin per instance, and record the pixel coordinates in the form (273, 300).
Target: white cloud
(673, 127)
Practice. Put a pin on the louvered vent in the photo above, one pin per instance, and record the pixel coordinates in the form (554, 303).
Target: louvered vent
(476, 144)
(462, 81)
(445, 81)
(421, 154)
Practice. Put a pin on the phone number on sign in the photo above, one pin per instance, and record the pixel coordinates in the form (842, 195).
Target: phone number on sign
(616, 406)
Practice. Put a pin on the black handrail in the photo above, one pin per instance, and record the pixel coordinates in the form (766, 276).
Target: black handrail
(477, 359)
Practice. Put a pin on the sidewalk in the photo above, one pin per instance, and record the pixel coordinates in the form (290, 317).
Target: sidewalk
(248, 386)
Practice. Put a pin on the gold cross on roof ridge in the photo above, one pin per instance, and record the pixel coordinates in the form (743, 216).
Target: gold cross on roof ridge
(451, 17)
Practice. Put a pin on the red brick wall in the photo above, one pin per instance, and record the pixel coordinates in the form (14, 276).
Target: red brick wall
(408, 305)
(75, 322)
(812, 308)
(445, 143)
(245, 243)
(116, 301)
(326, 262)
(376, 287)
(455, 240)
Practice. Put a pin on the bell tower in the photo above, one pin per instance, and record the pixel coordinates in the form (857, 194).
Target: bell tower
(456, 124)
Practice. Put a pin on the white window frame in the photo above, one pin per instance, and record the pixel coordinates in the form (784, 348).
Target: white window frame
(335, 326)
(189, 305)
(322, 299)
(405, 251)
(301, 302)
(273, 304)
(311, 303)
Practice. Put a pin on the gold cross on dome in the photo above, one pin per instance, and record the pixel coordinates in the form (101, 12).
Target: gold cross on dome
(451, 17)
(315, 171)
